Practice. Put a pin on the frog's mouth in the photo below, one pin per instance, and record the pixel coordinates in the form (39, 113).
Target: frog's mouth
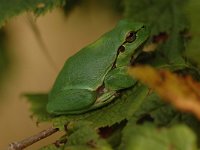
(137, 55)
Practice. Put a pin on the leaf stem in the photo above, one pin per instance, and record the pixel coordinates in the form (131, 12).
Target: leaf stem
(31, 140)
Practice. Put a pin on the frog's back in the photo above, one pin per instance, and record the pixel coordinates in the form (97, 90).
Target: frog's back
(87, 68)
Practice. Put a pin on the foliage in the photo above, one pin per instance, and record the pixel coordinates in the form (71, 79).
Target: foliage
(182, 92)
(38, 106)
(162, 107)
(157, 138)
(166, 20)
(123, 108)
(114, 5)
(10, 8)
(193, 46)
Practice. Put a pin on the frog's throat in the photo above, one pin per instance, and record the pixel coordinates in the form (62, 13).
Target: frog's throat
(137, 52)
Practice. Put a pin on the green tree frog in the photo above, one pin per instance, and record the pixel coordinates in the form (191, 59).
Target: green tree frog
(94, 76)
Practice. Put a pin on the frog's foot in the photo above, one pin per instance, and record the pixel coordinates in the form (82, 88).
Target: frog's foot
(70, 101)
(118, 79)
(104, 99)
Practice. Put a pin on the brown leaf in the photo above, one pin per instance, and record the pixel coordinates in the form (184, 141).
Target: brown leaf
(182, 92)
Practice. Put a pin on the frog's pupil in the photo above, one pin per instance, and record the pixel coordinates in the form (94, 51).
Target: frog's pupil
(131, 36)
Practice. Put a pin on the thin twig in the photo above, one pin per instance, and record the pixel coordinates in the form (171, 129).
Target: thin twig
(33, 139)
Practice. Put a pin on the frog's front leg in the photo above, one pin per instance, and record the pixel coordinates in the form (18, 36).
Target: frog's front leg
(104, 99)
(118, 79)
(114, 81)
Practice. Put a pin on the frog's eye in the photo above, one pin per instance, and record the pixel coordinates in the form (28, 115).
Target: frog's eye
(130, 37)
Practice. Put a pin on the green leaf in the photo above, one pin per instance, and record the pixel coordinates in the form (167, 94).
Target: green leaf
(106, 116)
(84, 137)
(193, 48)
(147, 136)
(161, 15)
(122, 108)
(191, 122)
(11, 8)
(166, 17)
(172, 52)
(38, 106)
(157, 110)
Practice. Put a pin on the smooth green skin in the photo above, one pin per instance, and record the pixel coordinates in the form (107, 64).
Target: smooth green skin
(88, 79)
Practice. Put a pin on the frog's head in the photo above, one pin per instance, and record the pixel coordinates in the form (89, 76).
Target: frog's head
(134, 36)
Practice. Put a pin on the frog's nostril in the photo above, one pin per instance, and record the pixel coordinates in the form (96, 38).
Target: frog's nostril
(121, 49)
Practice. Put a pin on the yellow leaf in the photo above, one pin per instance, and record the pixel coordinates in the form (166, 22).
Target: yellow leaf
(150, 48)
(182, 92)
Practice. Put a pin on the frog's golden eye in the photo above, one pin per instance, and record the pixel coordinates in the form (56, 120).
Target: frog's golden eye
(130, 37)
